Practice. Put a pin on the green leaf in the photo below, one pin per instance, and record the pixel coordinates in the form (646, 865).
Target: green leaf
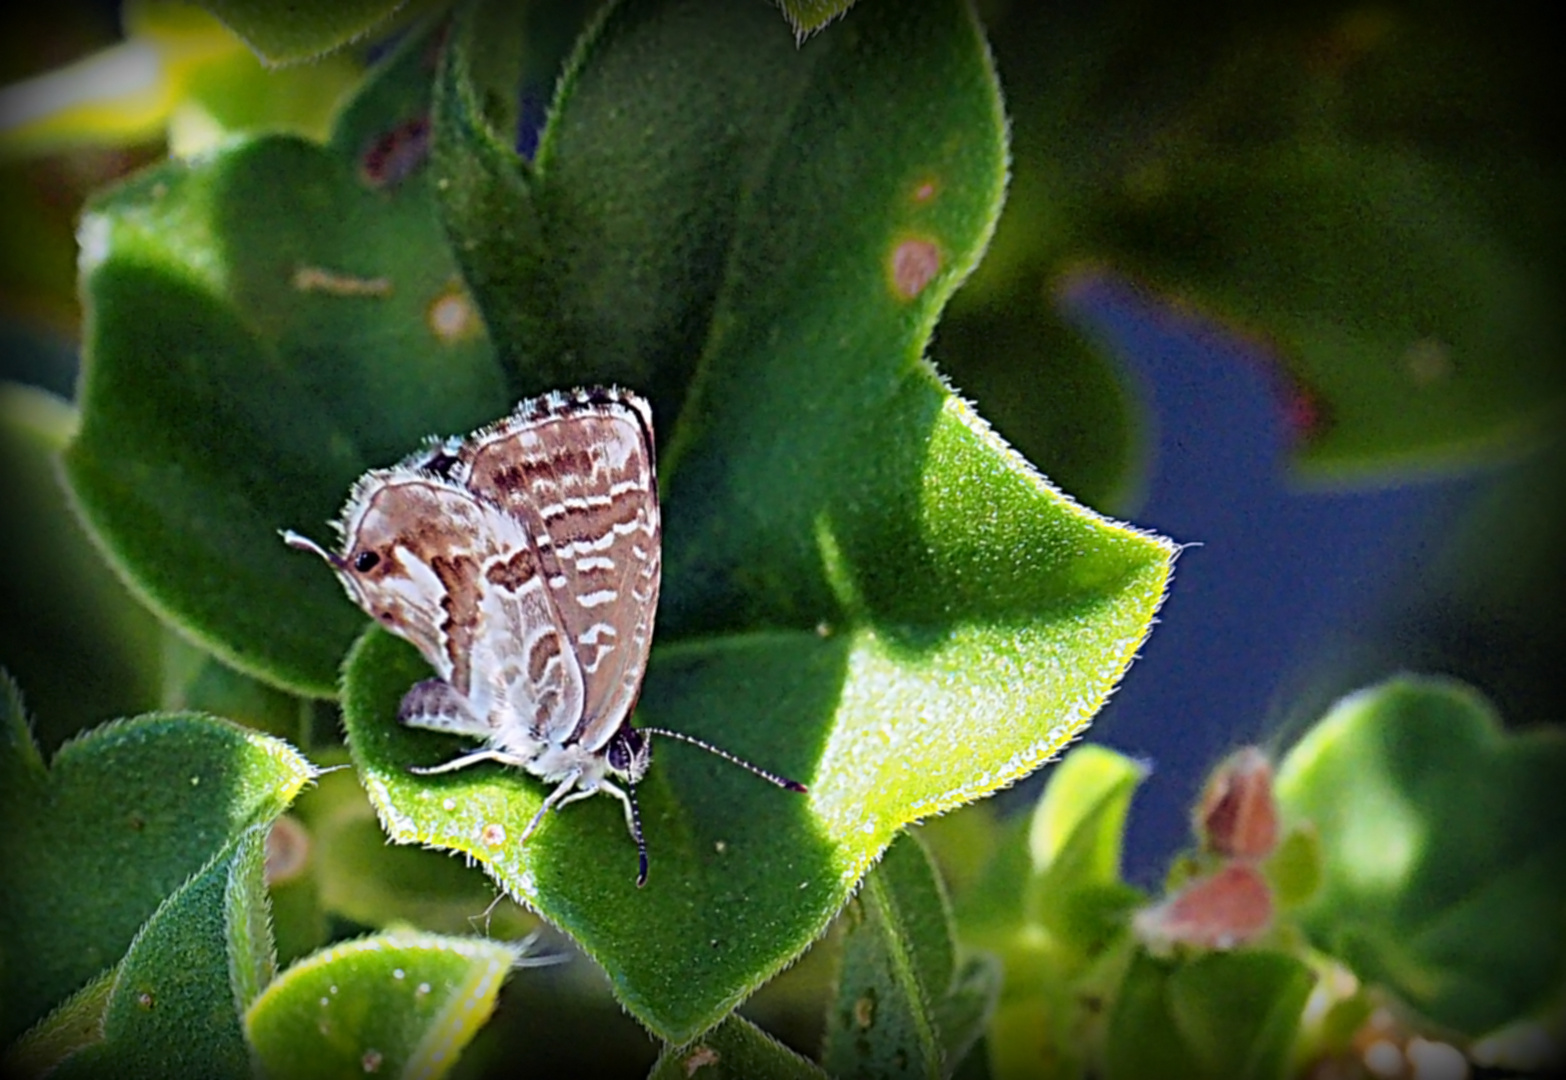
(1050, 391)
(486, 201)
(75, 1025)
(179, 991)
(1051, 903)
(735, 1050)
(1443, 848)
(125, 822)
(1077, 826)
(321, 329)
(1223, 1016)
(853, 562)
(362, 878)
(1294, 871)
(1075, 892)
(808, 16)
(402, 1003)
(903, 1007)
(1412, 333)
(86, 649)
(172, 1004)
(291, 33)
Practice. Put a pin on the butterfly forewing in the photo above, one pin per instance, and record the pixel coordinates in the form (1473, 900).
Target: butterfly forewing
(410, 537)
(577, 472)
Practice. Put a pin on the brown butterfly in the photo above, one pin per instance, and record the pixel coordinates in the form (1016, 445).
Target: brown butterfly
(523, 561)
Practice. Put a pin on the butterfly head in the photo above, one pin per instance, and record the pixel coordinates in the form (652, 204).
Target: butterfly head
(398, 537)
(629, 754)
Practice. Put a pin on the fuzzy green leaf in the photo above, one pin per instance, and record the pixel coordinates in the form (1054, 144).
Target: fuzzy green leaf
(735, 1050)
(903, 1007)
(400, 1004)
(361, 877)
(115, 827)
(1443, 850)
(176, 997)
(486, 199)
(808, 16)
(1217, 1016)
(322, 330)
(1078, 826)
(291, 33)
(1050, 391)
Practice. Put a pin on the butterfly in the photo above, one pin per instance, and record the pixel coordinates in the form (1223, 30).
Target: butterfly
(523, 561)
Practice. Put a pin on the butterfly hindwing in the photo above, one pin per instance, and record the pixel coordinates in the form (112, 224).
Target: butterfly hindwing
(577, 472)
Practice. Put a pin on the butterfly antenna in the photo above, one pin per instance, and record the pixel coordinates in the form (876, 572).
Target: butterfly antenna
(304, 543)
(636, 834)
(772, 778)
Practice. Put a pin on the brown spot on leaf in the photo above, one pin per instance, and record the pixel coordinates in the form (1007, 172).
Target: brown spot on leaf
(393, 156)
(926, 190)
(864, 1010)
(915, 262)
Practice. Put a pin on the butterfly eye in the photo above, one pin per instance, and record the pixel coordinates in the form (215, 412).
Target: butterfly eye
(366, 561)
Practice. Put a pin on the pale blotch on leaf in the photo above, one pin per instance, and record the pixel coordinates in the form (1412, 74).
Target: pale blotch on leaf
(287, 850)
(914, 263)
(318, 279)
(1428, 361)
(699, 1059)
(452, 316)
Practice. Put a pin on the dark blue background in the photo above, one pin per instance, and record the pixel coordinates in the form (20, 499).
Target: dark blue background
(1289, 582)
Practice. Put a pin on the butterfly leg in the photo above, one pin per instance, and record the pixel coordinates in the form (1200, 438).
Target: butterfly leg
(472, 759)
(561, 795)
(435, 706)
(631, 822)
(568, 792)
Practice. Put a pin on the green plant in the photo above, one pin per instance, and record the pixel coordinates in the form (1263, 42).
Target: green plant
(864, 587)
